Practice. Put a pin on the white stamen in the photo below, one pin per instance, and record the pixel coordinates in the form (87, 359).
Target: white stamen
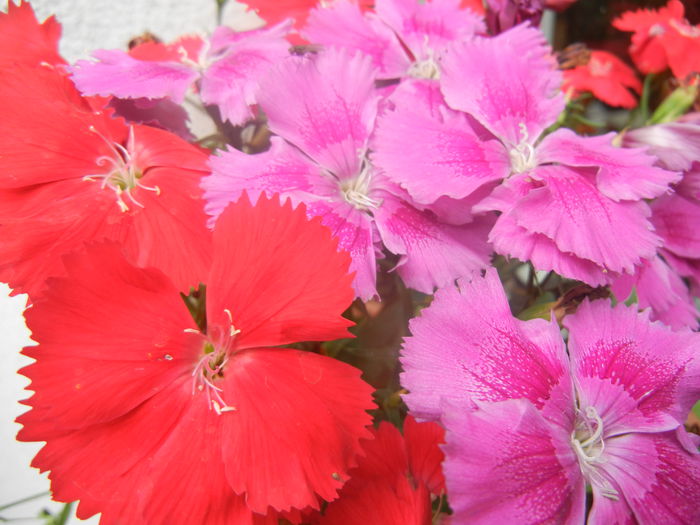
(589, 445)
(522, 156)
(355, 190)
(428, 67)
(123, 175)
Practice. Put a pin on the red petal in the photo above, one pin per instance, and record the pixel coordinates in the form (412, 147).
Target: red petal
(424, 455)
(47, 129)
(110, 337)
(379, 491)
(296, 428)
(278, 274)
(24, 40)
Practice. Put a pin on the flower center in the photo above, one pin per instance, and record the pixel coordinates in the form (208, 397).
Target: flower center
(522, 156)
(123, 175)
(355, 191)
(210, 368)
(427, 68)
(587, 441)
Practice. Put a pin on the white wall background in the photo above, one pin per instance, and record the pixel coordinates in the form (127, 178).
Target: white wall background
(87, 25)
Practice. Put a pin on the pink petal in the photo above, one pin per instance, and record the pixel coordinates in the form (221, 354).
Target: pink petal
(432, 253)
(660, 288)
(342, 24)
(659, 479)
(509, 83)
(281, 169)
(467, 344)
(505, 464)
(355, 233)
(582, 221)
(450, 151)
(638, 375)
(514, 241)
(430, 26)
(676, 219)
(622, 173)
(118, 74)
(231, 81)
(296, 428)
(325, 106)
(676, 144)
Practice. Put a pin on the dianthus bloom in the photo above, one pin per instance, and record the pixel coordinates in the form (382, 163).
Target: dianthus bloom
(226, 68)
(607, 77)
(323, 109)
(662, 39)
(71, 173)
(529, 425)
(182, 422)
(562, 197)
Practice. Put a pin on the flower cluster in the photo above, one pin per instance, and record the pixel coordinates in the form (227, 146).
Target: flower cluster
(222, 322)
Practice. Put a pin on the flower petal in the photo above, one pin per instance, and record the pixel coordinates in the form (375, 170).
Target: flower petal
(108, 340)
(231, 82)
(24, 40)
(675, 218)
(622, 173)
(509, 83)
(296, 426)
(117, 73)
(433, 253)
(450, 150)
(325, 106)
(467, 345)
(659, 479)
(279, 275)
(640, 376)
(504, 462)
(281, 169)
(342, 24)
(583, 221)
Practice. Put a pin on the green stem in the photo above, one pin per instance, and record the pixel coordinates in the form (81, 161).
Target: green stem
(24, 500)
(644, 100)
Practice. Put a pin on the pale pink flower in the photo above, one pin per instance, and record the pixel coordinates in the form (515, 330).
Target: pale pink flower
(529, 424)
(226, 68)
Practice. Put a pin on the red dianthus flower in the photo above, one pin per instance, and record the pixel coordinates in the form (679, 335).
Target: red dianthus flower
(213, 422)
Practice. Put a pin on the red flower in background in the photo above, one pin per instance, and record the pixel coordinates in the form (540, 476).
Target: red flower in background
(273, 11)
(607, 77)
(182, 423)
(662, 38)
(72, 173)
(393, 483)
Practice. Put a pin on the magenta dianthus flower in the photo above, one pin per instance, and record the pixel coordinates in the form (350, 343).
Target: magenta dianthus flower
(323, 110)
(596, 219)
(529, 425)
